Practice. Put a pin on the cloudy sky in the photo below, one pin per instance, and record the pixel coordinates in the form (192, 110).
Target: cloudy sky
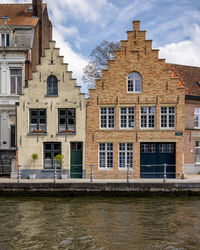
(80, 25)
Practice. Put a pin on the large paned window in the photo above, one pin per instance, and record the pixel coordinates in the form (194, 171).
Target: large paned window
(197, 152)
(168, 117)
(147, 117)
(5, 40)
(127, 117)
(66, 120)
(51, 149)
(125, 155)
(38, 120)
(52, 86)
(106, 155)
(107, 117)
(134, 82)
(16, 81)
(197, 118)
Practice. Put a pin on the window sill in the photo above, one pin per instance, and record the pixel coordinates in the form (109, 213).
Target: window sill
(51, 95)
(37, 134)
(197, 164)
(51, 169)
(73, 133)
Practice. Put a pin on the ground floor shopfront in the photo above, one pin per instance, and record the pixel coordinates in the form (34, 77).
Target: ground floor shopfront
(72, 165)
(142, 159)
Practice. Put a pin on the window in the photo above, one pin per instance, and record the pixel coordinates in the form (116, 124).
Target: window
(166, 148)
(197, 152)
(16, 81)
(196, 117)
(125, 155)
(106, 155)
(134, 82)
(148, 117)
(51, 149)
(107, 117)
(5, 40)
(52, 86)
(168, 117)
(66, 120)
(127, 117)
(148, 148)
(38, 120)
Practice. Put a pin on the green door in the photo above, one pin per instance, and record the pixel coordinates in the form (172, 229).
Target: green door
(76, 167)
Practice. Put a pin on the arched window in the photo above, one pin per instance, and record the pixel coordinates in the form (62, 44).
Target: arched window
(134, 82)
(52, 85)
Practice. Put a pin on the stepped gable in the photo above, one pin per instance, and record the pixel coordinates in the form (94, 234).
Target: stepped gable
(190, 77)
(136, 54)
(18, 14)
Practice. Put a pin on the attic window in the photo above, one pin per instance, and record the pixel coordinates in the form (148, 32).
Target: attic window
(5, 17)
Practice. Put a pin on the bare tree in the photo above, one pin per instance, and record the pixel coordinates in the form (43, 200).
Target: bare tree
(99, 60)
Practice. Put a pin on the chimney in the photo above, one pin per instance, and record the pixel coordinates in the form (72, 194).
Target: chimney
(37, 7)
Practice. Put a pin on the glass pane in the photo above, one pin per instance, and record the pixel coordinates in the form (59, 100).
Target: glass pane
(47, 146)
(62, 112)
(34, 112)
(57, 146)
(12, 85)
(19, 85)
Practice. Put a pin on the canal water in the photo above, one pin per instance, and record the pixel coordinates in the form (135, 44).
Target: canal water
(100, 223)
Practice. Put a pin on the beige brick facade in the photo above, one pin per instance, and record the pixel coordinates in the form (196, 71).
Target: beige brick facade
(35, 97)
(159, 88)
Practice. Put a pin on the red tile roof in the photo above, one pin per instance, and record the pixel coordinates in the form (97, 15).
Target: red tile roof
(18, 14)
(189, 76)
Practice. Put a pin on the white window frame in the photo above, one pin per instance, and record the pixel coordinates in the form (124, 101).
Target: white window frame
(5, 40)
(197, 115)
(108, 116)
(128, 117)
(148, 115)
(106, 151)
(168, 114)
(16, 83)
(197, 147)
(127, 153)
(133, 79)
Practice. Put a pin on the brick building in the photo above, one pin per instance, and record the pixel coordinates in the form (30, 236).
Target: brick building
(190, 78)
(135, 116)
(25, 30)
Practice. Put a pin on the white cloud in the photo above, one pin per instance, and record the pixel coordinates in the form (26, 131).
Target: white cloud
(76, 61)
(185, 52)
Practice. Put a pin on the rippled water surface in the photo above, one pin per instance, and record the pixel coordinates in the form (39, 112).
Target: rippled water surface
(100, 223)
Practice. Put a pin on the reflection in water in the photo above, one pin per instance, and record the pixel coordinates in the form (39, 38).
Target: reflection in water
(100, 223)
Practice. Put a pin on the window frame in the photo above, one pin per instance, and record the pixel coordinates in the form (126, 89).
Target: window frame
(136, 77)
(66, 117)
(126, 151)
(147, 115)
(168, 114)
(198, 116)
(37, 117)
(127, 116)
(55, 82)
(5, 39)
(106, 151)
(52, 151)
(107, 115)
(16, 78)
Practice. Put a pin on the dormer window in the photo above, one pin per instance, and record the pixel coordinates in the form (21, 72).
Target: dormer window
(134, 82)
(5, 40)
(52, 86)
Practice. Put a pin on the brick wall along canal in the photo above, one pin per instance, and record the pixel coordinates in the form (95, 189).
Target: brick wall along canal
(100, 223)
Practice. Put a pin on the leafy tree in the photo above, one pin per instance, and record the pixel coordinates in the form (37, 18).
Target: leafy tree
(99, 60)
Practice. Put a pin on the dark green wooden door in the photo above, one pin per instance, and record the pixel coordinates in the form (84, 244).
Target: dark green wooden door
(153, 156)
(76, 167)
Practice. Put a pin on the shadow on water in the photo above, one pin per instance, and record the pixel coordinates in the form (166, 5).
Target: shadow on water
(100, 223)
